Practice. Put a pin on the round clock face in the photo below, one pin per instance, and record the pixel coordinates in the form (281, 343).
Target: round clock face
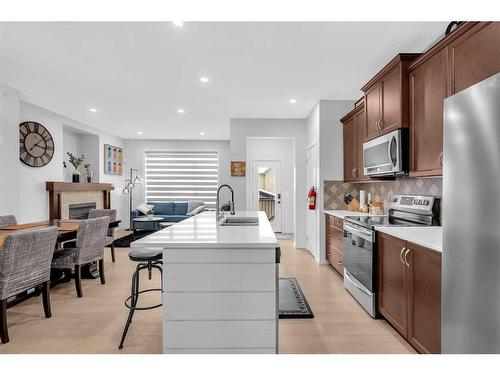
(36, 146)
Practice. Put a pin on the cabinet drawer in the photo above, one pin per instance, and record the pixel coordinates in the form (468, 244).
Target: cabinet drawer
(336, 238)
(335, 258)
(334, 221)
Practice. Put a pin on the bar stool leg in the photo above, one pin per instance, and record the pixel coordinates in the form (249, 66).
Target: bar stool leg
(134, 292)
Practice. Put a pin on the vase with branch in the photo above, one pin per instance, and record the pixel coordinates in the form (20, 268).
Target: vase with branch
(76, 162)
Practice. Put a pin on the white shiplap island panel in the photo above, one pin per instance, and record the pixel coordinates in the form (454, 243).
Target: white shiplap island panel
(220, 285)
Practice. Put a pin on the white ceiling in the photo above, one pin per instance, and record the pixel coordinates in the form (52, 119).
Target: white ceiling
(138, 74)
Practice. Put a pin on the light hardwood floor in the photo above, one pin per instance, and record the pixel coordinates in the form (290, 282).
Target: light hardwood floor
(94, 323)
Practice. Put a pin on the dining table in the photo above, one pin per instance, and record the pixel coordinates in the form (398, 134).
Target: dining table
(67, 231)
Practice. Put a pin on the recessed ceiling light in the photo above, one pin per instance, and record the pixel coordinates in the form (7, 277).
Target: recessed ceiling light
(178, 23)
(92, 110)
(204, 79)
(202, 133)
(293, 101)
(180, 110)
(140, 132)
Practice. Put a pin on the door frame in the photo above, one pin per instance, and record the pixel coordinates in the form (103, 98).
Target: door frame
(251, 193)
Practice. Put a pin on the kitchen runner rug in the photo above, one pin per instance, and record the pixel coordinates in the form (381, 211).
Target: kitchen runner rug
(293, 303)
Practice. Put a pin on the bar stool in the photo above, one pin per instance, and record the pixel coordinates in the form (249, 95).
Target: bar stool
(148, 259)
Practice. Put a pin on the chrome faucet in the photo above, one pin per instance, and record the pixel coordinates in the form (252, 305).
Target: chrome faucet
(218, 214)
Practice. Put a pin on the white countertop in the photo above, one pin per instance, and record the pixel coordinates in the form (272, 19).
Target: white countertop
(430, 237)
(343, 213)
(202, 231)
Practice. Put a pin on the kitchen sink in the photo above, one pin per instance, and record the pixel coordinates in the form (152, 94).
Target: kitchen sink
(240, 221)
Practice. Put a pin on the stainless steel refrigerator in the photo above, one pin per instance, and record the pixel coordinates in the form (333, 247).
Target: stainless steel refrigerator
(471, 220)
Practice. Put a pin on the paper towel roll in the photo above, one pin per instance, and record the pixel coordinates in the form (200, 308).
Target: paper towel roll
(362, 198)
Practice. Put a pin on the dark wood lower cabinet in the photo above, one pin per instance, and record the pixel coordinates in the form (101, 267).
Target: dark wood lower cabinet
(409, 291)
(392, 283)
(335, 243)
(424, 329)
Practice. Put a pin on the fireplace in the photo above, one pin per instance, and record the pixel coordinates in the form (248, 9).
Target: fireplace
(80, 210)
(62, 195)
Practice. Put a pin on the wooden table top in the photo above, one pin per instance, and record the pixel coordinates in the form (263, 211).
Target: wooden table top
(64, 227)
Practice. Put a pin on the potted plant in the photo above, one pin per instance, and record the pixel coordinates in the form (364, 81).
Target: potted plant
(76, 162)
(89, 172)
(150, 214)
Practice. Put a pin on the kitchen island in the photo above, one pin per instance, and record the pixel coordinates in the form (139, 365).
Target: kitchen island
(220, 284)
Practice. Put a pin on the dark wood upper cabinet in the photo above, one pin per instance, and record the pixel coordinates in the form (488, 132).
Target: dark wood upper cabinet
(386, 97)
(474, 55)
(424, 275)
(428, 88)
(360, 120)
(350, 148)
(392, 288)
(372, 111)
(353, 131)
(463, 58)
(409, 291)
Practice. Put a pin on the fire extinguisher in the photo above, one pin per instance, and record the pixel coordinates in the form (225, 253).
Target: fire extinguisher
(311, 197)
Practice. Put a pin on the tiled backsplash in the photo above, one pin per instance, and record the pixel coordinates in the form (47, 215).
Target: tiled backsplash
(334, 190)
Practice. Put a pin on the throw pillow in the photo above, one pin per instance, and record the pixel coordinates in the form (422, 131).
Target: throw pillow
(144, 208)
(196, 211)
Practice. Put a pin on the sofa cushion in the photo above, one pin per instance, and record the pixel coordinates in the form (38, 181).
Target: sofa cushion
(181, 208)
(164, 208)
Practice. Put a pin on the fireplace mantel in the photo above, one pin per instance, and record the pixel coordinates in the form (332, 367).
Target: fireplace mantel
(58, 189)
(70, 186)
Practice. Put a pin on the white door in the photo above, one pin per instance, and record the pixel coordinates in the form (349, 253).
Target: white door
(312, 216)
(266, 190)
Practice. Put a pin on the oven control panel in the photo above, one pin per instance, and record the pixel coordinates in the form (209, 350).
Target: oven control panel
(418, 202)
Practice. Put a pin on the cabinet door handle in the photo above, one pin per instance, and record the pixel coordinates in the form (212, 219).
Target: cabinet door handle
(406, 254)
(355, 170)
(339, 262)
(441, 159)
(401, 255)
(376, 125)
(352, 172)
(381, 124)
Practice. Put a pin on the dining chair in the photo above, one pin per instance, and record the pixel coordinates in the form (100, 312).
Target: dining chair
(7, 220)
(110, 238)
(88, 248)
(24, 264)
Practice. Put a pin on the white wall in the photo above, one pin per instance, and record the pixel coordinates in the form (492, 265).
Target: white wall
(9, 151)
(325, 130)
(242, 129)
(134, 158)
(34, 199)
(281, 149)
(22, 191)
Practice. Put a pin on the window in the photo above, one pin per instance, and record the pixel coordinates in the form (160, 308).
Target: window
(182, 176)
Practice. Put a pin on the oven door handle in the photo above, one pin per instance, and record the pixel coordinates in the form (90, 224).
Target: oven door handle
(361, 287)
(350, 229)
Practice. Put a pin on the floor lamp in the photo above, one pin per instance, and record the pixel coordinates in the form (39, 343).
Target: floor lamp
(129, 189)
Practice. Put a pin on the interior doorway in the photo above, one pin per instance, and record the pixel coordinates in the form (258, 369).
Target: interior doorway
(267, 191)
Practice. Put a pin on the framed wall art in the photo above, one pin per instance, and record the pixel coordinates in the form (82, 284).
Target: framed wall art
(238, 168)
(113, 160)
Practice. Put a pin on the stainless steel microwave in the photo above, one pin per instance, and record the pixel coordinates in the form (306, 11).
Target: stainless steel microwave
(386, 155)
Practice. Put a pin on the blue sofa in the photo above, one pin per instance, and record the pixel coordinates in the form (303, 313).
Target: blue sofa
(171, 211)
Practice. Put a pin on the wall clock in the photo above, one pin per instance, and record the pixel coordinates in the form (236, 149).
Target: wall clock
(36, 146)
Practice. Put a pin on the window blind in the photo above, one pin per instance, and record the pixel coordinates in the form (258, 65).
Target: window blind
(173, 176)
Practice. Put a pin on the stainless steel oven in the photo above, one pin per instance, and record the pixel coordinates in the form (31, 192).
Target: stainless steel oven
(359, 264)
(386, 155)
